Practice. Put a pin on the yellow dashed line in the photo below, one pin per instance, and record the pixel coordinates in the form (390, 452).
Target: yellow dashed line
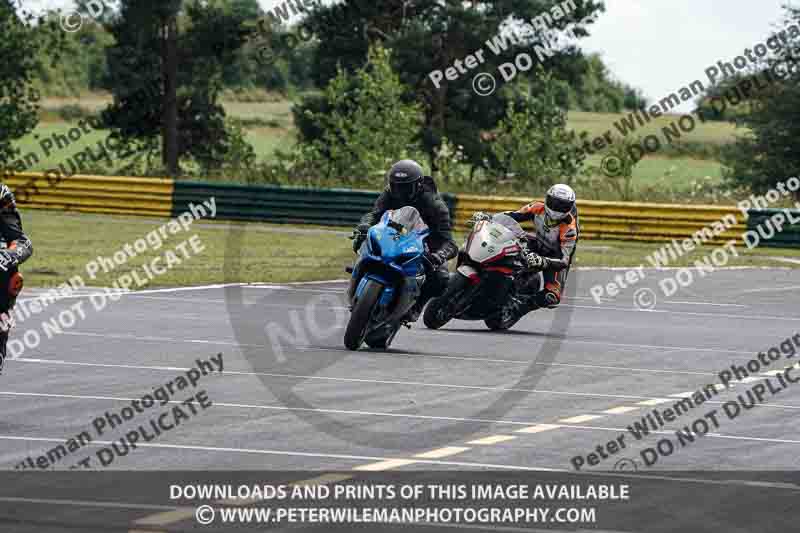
(441, 452)
(580, 418)
(324, 479)
(538, 428)
(654, 401)
(494, 439)
(385, 465)
(167, 517)
(620, 410)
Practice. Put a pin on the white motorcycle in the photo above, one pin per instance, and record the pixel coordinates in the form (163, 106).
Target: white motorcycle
(491, 268)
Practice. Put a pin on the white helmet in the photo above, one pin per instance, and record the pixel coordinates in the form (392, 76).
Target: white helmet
(558, 203)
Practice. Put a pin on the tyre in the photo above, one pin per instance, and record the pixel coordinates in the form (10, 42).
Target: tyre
(440, 310)
(496, 324)
(362, 315)
(381, 342)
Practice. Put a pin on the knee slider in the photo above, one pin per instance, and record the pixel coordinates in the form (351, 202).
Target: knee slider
(551, 299)
(15, 285)
(548, 298)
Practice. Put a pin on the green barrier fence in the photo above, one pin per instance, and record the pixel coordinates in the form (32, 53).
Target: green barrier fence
(774, 228)
(327, 207)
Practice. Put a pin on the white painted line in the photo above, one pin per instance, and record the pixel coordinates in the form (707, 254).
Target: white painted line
(88, 503)
(654, 401)
(294, 454)
(183, 289)
(391, 382)
(772, 289)
(710, 434)
(388, 464)
(579, 419)
(511, 361)
(165, 518)
(442, 452)
(623, 345)
(620, 410)
(773, 372)
(285, 408)
(704, 303)
(494, 439)
(687, 313)
(538, 428)
(93, 291)
(748, 379)
(683, 394)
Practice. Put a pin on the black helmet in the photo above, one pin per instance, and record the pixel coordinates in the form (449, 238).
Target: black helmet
(405, 180)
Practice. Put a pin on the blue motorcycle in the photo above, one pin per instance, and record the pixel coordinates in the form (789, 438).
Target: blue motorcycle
(389, 273)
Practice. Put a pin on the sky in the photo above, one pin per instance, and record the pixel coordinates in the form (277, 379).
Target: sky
(657, 46)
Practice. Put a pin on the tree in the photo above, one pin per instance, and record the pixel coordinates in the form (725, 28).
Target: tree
(431, 35)
(20, 48)
(365, 125)
(768, 153)
(532, 135)
(165, 72)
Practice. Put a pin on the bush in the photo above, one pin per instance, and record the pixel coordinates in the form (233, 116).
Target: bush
(359, 126)
(533, 135)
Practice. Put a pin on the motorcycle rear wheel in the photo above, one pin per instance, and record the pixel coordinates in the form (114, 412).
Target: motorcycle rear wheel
(362, 315)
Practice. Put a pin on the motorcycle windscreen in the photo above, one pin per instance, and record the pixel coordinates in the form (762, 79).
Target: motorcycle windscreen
(510, 224)
(409, 218)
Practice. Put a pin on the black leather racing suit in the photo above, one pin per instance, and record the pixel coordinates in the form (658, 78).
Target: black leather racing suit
(436, 215)
(18, 250)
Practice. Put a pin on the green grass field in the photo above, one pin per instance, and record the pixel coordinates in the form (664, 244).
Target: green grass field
(277, 131)
(598, 124)
(254, 252)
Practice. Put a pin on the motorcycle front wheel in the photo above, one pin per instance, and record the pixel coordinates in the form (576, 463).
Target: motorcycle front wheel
(362, 315)
(442, 309)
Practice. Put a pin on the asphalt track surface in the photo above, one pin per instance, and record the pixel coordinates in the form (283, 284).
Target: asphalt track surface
(459, 399)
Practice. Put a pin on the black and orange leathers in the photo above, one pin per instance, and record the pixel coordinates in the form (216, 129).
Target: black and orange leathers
(18, 250)
(556, 242)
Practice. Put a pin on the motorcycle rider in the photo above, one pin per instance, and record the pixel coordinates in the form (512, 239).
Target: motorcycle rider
(407, 185)
(551, 248)
(18, 250)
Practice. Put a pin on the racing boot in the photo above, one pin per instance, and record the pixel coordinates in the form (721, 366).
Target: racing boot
(516, 308)
(416, 309)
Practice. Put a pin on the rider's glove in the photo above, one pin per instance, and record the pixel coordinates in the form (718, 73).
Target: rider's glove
(480, 216)
(536, 261)
(434, 259)
(359, 235)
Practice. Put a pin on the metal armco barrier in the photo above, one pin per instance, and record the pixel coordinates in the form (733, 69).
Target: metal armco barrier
(344, 207)
(622, 220)
(93, 194)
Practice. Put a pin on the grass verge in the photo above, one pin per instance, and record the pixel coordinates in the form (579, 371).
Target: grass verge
(64, 243)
